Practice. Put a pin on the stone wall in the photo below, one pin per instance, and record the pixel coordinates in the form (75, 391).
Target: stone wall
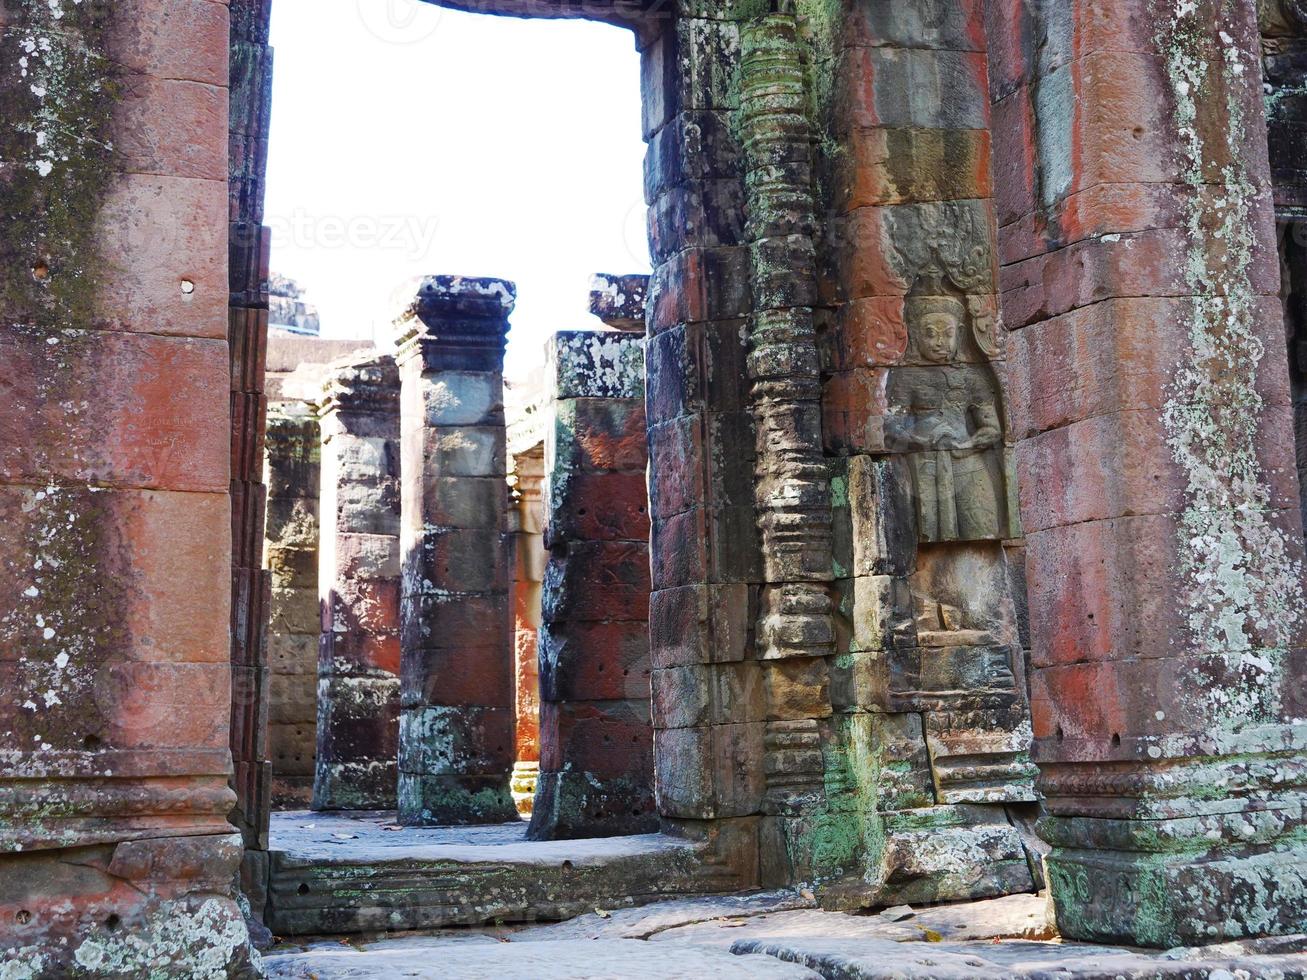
(596, 743)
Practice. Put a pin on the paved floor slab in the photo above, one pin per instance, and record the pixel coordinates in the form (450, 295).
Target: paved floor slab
(577, 959)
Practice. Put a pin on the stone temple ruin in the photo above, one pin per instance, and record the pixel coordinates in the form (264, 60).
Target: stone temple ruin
(927, 529)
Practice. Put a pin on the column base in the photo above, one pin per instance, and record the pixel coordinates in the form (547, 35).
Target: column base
(1169, 900)
(114, 910)
(572, 805)
(523, 786)
(368, 785)
(427, 800)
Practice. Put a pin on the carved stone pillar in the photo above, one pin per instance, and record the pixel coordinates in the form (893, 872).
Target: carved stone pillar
(528, 577)
(596, 743)
(1151, 406)
(458, 721)
(359, 586)
(290, 553)
(794, 632)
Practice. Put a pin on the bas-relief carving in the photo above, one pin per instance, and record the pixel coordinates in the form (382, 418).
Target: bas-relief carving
(946, 417)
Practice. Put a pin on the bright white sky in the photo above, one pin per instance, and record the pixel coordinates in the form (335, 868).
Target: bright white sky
(410, 140)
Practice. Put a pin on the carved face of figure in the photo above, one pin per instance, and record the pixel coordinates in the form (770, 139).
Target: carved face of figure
(938, 336)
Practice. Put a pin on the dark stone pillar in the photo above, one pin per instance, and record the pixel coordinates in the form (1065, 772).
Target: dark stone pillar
(596, 743)
(457, 724)
(1153, 420)
(359, 584)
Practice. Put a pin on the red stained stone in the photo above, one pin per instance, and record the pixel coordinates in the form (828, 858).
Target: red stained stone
(116, 409)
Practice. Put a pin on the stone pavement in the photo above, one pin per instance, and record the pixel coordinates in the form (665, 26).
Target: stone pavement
(779, 934)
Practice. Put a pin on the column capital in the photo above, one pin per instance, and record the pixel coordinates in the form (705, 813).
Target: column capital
(456, 323)
(363, 383)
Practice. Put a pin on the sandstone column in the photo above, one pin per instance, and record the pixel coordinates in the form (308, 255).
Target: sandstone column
(596, 743)
(528, 577)
(1154, 426)
(704, 554)
(359, 586)
(115, 514)
(458, 721)
(290, 553)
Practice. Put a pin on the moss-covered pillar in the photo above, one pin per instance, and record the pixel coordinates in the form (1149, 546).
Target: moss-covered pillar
(1151, 409)
(116, 854)
(458, 721)
(359, 586)
(528, 577)
(290, 554)
(596, 742)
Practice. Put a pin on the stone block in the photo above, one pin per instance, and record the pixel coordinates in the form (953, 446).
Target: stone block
(572, 805)
(709, 773)
(454, 676)
(598, 507)
(693, 148)
(594, 661)
(604, 738)
(463, 398)
(677, 465)
(452, 800)
(456, 619)
(162, 229)
(458, 451)
(699, 624)
(902, 165)
(360, 653)
(917, 88)
(461, 560)
(595, 364)
(700, 695)
(362, 606)
(171, 126)
(614, 435)
(700, 214)
(796, 688)
(698, 285)
(132, 410)
(466, 502)
(597, 580)
(619, 301)
(457, 741)
(955, 27)
(697, 367)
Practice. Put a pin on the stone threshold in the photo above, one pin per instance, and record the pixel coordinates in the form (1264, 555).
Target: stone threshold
(358, 872)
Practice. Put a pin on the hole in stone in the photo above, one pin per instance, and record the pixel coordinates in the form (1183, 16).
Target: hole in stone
(23, 917)
(113, 922)
(1116, 740)
(41, 271)
(581, 511)
(91, 742)
(1138, 131)
(1060, 734)
(567, 865)
(188, 287)
(303, 889)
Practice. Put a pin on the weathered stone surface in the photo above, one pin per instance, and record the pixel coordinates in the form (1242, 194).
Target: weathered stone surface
(596, 743)
(290, 552)
(457, 730)
(428, 878)
(619, 301)
(358, 582)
